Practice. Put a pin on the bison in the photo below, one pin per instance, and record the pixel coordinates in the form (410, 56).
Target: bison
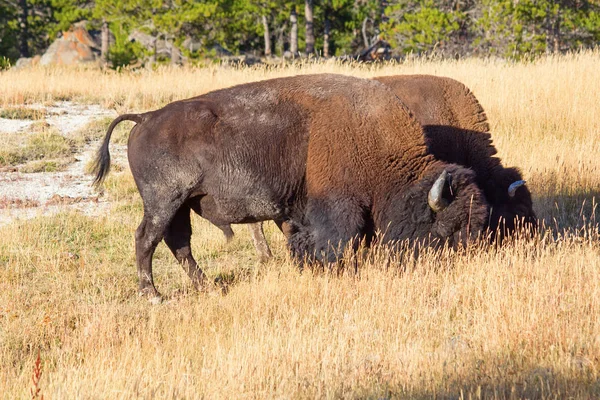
(457, 131)
(336, 158)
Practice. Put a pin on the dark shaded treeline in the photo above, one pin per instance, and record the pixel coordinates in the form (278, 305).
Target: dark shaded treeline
(211, 29)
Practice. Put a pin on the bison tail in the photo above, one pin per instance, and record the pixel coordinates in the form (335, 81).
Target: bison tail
(102, 161)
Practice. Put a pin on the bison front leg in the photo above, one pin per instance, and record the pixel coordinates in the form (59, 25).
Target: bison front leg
(337, 223)
(177, 237)
(260, 242)
(333, 225)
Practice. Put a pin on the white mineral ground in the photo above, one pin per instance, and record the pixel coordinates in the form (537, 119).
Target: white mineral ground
(27, 195)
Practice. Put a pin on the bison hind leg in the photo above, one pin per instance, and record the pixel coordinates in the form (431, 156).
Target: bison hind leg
(177, 237)
(150, 232)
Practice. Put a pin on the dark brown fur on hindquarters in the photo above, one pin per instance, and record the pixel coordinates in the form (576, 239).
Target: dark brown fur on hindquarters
(341, 157)
(457, 131)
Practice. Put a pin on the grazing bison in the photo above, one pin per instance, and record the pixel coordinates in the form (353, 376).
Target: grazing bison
(334, 157)
(457, 131)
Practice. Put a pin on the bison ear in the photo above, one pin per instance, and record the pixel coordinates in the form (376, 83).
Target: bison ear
(436, 200)
(512, 189)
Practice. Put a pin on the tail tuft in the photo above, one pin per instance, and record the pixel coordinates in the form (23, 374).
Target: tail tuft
(101, 165)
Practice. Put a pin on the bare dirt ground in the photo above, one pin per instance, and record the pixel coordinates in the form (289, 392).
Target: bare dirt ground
(27, 195)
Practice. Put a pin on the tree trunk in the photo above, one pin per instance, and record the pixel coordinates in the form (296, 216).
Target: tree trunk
(175, 55)
(267, 35)
(280, 41)
(382, 6)
(294, 33)
(548, 31)
(326, 28)
(23, 28)
(364, 32)
(104, 43)
(310, 33)
(153, 56)
(556, 33)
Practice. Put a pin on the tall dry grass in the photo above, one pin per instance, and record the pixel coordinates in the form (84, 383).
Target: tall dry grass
(521, 321)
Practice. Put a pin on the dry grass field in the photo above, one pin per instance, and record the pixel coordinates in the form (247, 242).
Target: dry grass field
(521, 321)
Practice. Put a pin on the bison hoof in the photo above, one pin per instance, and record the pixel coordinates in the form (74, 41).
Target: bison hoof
(200, 284)
(152, 295)
(264, 259)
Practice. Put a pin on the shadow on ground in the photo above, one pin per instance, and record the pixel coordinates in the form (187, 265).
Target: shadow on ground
(535, 383)
(560, 209)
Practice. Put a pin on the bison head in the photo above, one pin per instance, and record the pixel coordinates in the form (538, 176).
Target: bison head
(512, 208)
(445, 206)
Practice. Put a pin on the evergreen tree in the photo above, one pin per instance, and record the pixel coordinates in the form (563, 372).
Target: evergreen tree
(424, 25)
(506, 28)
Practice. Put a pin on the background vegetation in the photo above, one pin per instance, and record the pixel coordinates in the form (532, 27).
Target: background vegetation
(210, 28)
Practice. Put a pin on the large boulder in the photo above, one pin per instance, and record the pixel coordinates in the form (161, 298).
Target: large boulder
(76, 46)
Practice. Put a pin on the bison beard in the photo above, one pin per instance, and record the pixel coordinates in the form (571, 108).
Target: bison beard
(336, 158)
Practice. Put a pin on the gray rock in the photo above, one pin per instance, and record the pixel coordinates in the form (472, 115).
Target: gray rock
(76, 46)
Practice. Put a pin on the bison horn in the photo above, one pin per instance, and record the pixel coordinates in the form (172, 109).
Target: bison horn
(512, 189)
(435, 199)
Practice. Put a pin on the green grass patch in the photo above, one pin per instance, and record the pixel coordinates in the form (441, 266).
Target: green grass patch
(121, 187)
(22, 113)
(10, 153)
(39, 127)
(96, 130)
(55, 165)
(45, 145)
